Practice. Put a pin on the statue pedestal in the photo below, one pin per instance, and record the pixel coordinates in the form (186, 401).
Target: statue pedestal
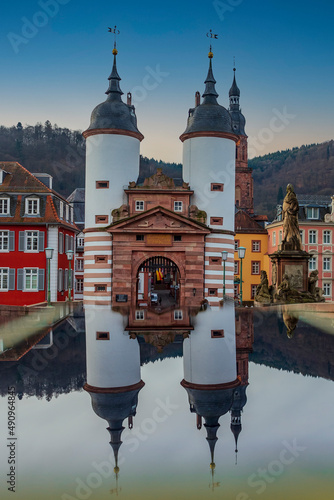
(294, 263)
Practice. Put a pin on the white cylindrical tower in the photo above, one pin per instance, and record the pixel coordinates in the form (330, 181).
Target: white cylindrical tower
(112, 161)
(113, 371)
(209, 168)
(210, 376)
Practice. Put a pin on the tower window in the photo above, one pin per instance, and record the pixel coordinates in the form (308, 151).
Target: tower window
(102, 335)
(216, 261)
(139, 237)
(178, 315)
(217, 187)
(217, 334)
(216, 221)
(177, 237)
(101, 259)
(100, 288)
(101, 219)
(140, 315)
(213, 292)
(102, 184)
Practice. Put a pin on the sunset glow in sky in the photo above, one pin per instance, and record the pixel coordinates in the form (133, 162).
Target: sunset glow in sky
(56, 58)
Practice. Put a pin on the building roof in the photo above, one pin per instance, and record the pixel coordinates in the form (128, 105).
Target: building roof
(314, 200)
(244, 223)
(19, 184)
(113, 113)
(234, 90)
(209, 116)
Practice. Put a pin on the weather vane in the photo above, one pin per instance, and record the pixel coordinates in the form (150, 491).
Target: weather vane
(116, 32)
(211, 35)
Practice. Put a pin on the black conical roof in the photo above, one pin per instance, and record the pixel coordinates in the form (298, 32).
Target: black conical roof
(234, 90)
(209, 116)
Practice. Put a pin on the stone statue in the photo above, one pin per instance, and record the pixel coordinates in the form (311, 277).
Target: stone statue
(283, 290)
(120, 213)
(315, 291)
(262, 290)
(198, 215)
(159, 180)
(292, 240)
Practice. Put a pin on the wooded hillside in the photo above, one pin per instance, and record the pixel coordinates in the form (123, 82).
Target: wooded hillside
(60, 152)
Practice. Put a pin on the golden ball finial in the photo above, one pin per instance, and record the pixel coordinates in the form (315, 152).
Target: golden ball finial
(210, 55)
(116, 470)
(212, 466)
(115, 52)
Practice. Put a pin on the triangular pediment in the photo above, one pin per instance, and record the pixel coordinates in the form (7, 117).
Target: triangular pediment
(158, 219)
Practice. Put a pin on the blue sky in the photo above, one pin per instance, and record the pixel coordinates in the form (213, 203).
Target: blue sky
(56, 58)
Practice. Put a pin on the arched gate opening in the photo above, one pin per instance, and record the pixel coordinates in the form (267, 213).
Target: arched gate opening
(158, 282)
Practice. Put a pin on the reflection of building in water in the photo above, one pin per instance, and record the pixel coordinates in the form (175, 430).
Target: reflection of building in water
(113, 371)
(210, 374)
(159, 328)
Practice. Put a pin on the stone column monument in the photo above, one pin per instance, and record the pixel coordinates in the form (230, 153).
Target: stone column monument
(290, 262)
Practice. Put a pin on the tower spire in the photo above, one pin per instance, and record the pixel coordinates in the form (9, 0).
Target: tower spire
(210, 95)
(114, 77)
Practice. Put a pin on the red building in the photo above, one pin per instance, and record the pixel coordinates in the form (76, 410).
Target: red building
(32, 218)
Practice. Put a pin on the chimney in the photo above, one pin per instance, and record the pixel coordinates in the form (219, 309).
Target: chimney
(197, 99)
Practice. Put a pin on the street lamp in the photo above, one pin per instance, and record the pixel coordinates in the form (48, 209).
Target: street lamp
(49, 255)
(241, 255)
(224, 256)
(69, 255)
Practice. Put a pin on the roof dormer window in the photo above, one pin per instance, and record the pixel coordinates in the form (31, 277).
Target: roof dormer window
(312, 213)
(32, 206)
(61, 210)
(4, 205)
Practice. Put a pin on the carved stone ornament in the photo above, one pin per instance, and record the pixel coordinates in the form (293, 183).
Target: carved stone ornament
(159, 181)
(196, 214)
(120, 213)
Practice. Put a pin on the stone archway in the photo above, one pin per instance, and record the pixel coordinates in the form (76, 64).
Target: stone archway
(158, 275)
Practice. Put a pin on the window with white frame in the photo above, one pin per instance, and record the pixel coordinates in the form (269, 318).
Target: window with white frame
(61, 210)
(31, 279)
(3, 279)
(4, 240)
(274, 238)
(140, 314)
(139, 206)
(301, 232)
(256, 246)
(312, 263)
(312, 236)
(4, 206)
(61, 242)
(312, 213)
(255, 267)
(178, 315)
(253, 291)
(327, 264)
(327, 289)
(80, 264)
(79, 285)
(327, 237)
(32, 206)
(178, 206)
(71, 211)
(67, 212)
(32, 241)
(280, 237)
(80, 242)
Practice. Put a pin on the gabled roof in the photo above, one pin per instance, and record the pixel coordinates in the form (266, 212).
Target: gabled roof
(18, 183)
(246, 224)
(149, 221)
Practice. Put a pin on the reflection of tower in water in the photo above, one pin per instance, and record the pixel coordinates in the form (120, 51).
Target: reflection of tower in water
(210, 372)
(113, 372)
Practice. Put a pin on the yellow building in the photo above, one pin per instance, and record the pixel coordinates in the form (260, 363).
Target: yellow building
(251, 235)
